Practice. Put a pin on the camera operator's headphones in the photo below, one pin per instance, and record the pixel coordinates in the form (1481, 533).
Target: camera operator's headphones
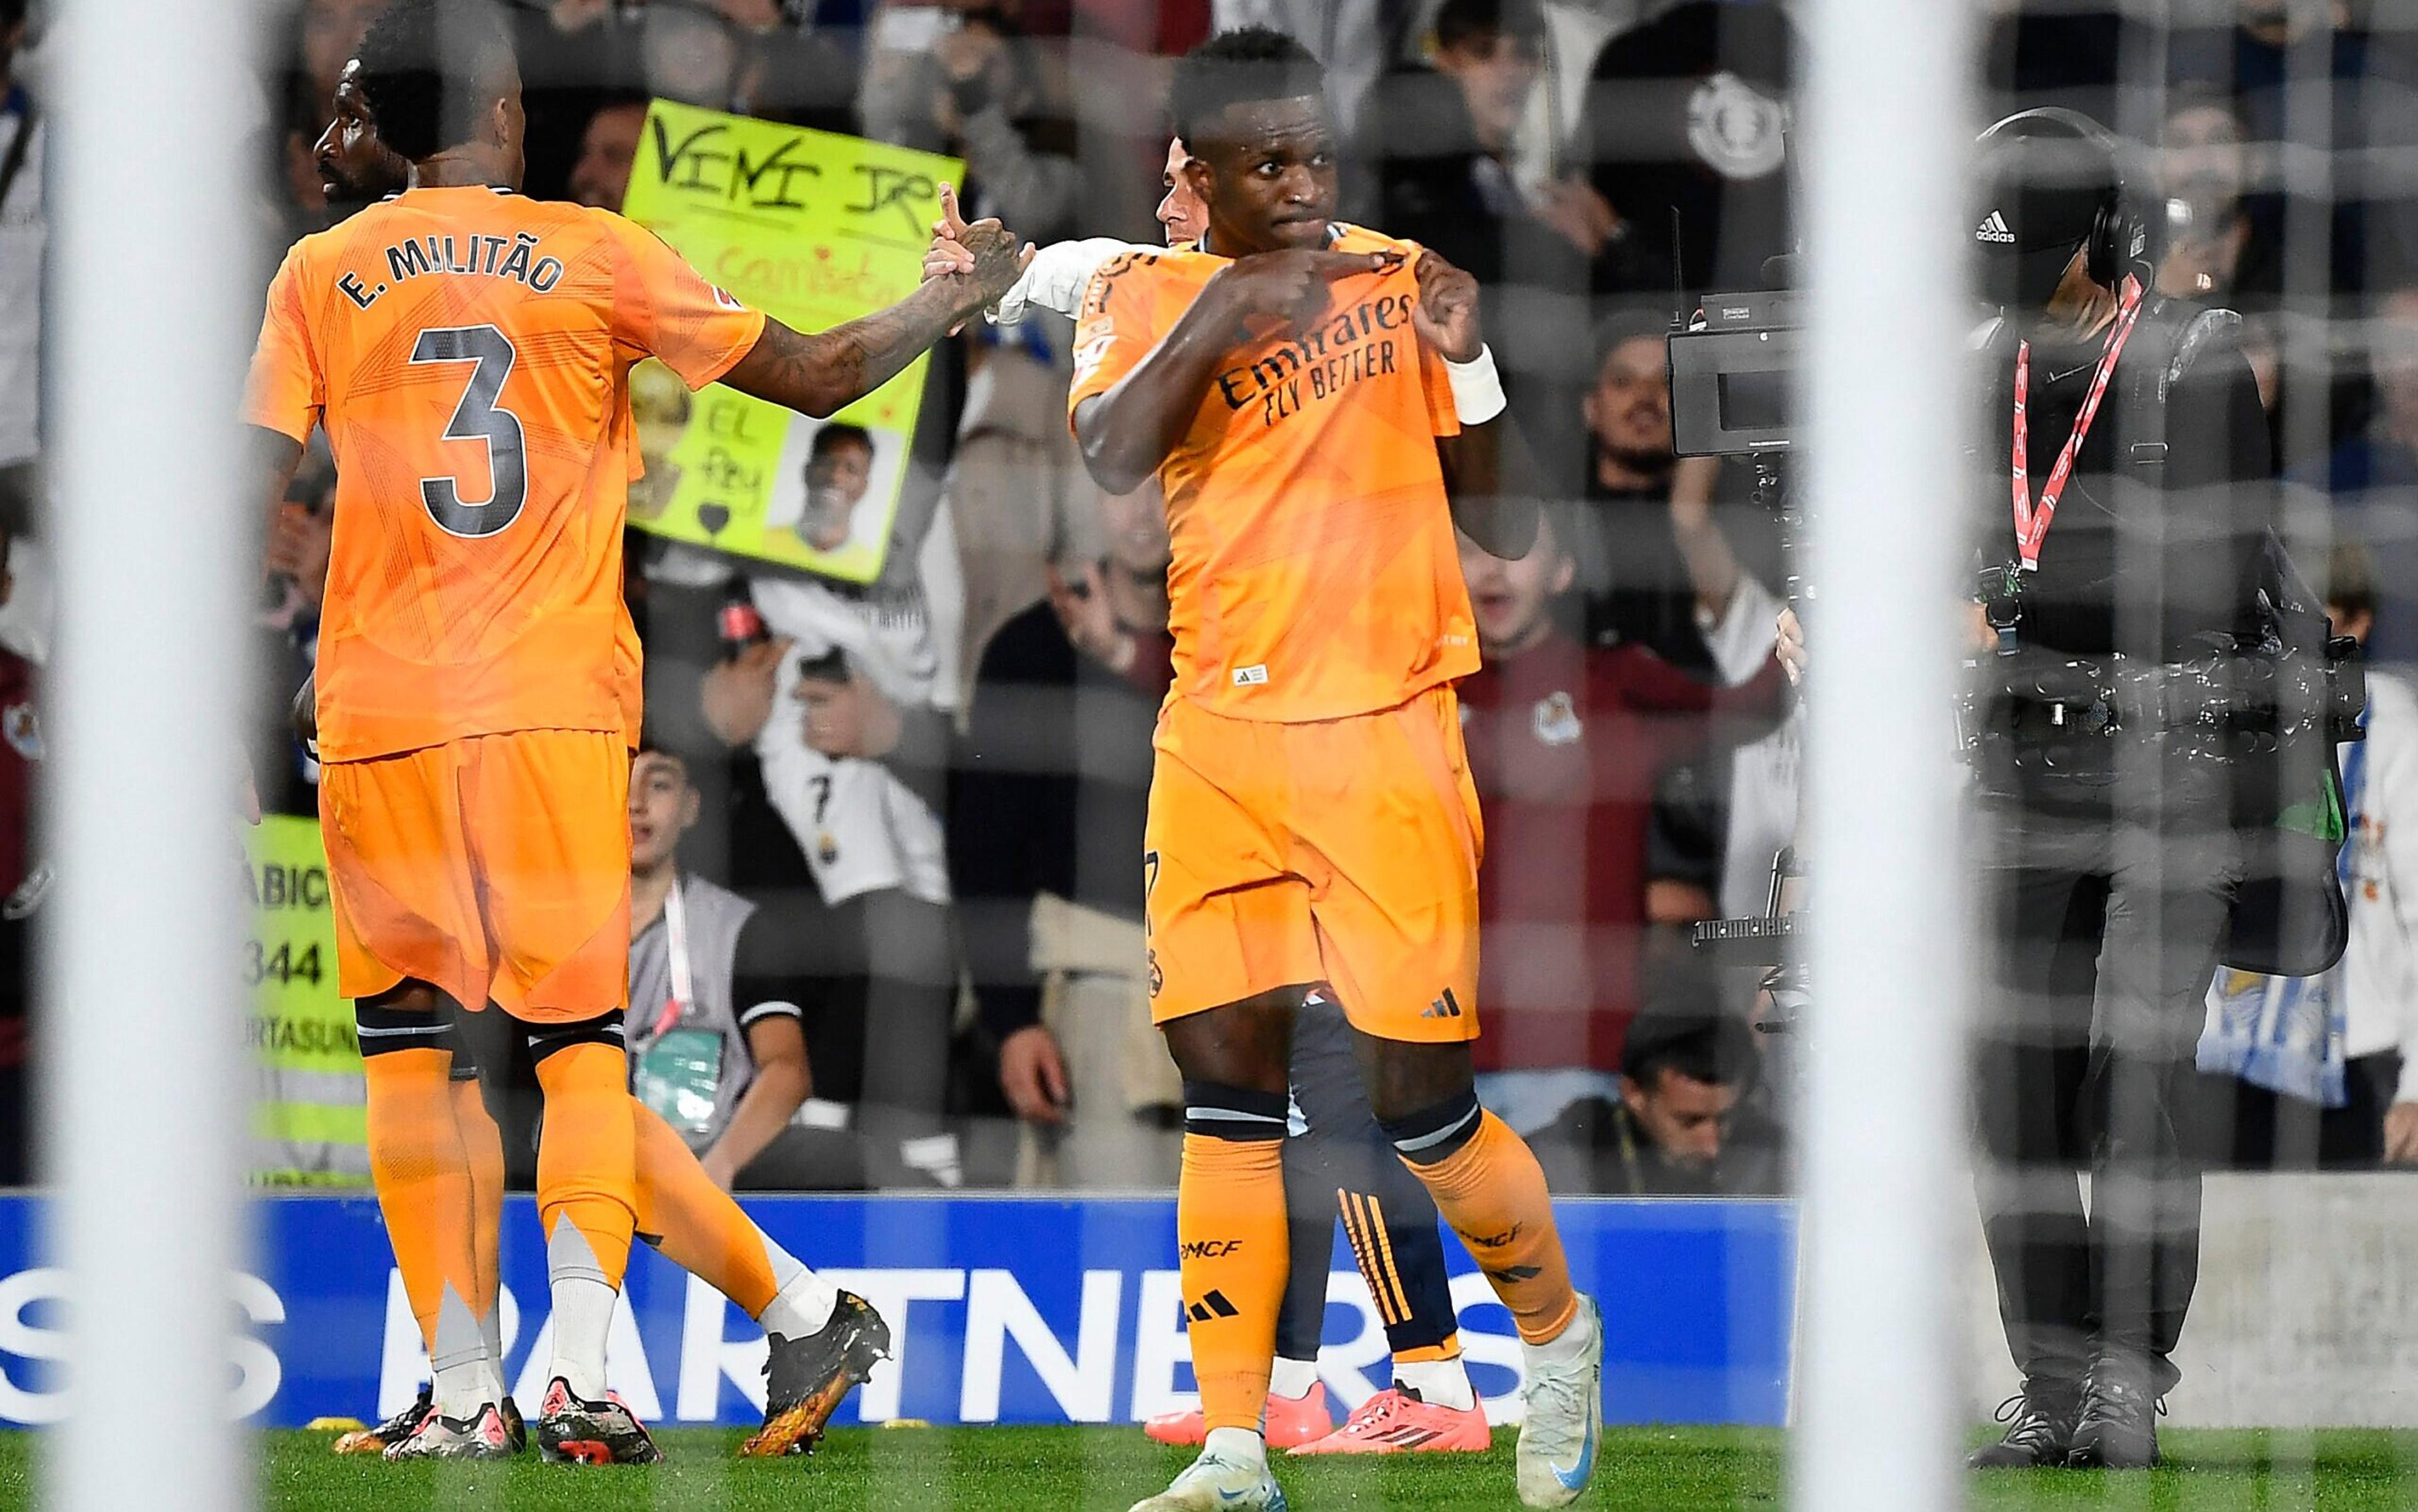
(2127, 234)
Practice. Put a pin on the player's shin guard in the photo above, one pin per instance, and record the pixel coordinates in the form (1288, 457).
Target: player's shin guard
(587, 1198)
(1492, 1193)
(696, 1225)
(1229, 1227)
(422, 1176)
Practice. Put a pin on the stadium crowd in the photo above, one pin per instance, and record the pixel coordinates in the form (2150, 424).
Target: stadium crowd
(887, 836)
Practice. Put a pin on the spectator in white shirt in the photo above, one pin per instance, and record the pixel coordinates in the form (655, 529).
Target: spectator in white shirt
(846, 709)
(2380, 966)
(2371, 997)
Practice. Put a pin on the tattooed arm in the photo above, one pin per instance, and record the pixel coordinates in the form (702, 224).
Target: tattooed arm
(820, 375)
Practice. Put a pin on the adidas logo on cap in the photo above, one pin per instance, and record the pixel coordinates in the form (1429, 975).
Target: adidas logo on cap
(1995, 229)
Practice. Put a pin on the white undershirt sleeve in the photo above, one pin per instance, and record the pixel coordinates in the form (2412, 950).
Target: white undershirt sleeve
(1056, 278)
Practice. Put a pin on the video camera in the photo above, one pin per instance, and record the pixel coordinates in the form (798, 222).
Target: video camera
(1772, 943)
(1731, 370)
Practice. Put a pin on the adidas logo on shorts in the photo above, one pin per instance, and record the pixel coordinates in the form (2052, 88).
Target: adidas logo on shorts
(1994, 229)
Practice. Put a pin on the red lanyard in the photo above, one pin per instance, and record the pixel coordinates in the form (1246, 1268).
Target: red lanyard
(676, 947)
(2032, 521)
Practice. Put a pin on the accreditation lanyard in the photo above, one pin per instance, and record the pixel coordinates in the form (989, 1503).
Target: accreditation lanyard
(676, 939)
(2032, 520)
(2354, 797)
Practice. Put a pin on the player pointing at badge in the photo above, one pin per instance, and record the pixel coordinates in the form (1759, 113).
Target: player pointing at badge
(1319, 410)
(1337, 1160)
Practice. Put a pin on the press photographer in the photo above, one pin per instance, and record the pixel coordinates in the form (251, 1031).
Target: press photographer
(2119, 590)
(2154, 701)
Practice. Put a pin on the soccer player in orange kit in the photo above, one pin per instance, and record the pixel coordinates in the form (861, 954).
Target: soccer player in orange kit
(1321, 412)
(476, 689)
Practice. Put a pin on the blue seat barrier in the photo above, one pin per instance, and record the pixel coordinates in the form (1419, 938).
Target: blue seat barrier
(1005, 1309)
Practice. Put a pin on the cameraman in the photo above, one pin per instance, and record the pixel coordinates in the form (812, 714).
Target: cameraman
(2134, 541)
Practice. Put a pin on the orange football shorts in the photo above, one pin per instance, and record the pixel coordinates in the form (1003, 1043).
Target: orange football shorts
(1343, 851)
(496, 866)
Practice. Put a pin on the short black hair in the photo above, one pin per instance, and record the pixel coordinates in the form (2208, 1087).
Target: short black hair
(11, 12)
(2201, 94)
(425, 66)
(1463, 21)
(1700, 1045)
(837, 433)
(1622, 323)
(1239, 68)
(2350, 579)
(605, 99)
(652, 742)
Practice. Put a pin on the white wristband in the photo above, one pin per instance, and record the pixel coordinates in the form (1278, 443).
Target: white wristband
(1477, 388)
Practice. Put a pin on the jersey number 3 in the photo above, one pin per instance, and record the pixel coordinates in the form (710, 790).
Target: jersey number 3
(478, 417)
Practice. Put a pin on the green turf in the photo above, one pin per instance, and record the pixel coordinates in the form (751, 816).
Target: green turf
(1684, 1469)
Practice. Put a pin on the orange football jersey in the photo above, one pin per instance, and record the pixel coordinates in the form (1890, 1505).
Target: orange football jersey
(469, 351)
(1315, 573)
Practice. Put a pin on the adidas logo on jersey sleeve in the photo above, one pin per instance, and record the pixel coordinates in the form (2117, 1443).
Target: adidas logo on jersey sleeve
(1994, 229)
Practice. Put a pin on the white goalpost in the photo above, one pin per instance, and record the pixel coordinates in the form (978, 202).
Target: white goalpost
(1885, 121)
(154, 297)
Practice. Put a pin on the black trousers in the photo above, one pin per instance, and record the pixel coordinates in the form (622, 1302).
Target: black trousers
(2101, 936)
(1342, 1163)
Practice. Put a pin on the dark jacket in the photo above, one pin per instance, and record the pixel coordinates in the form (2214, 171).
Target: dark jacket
(2157, 571)
(1048, 795)
(1598, 1146)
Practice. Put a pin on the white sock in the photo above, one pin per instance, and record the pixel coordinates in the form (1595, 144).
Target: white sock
(936, 1155)
(457, 1366)
(491, 1330)
(1441, 1382)
(583, 1312)
(1568, 1344)
(1239, 1447)
(1291, 1378)
(583, 1315)
(461, 1387)
(804, 1302)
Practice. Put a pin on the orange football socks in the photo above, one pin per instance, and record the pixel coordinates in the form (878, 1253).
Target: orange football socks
(1491, 1191)
(1231, 1230)
(695, 1223)
(422, 1176)
(586, 1201)
(482, 1142)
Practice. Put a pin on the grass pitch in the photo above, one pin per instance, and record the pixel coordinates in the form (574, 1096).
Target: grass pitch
(946, 1470)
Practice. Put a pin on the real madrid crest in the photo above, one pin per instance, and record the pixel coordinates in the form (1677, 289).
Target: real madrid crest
(1557, 720)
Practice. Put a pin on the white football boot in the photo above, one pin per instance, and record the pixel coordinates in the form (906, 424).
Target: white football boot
(1220, 1481)
(1563, 1408)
